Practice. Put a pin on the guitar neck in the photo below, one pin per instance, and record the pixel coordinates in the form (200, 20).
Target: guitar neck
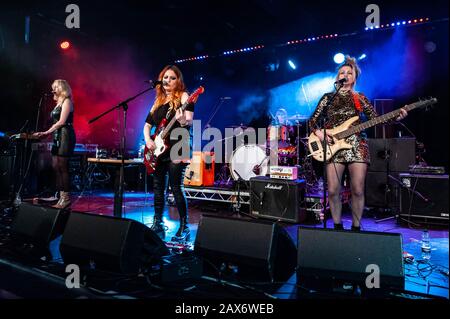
(172, 122)
(378, 120)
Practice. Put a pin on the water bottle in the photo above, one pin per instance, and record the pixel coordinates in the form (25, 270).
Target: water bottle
(425, 245)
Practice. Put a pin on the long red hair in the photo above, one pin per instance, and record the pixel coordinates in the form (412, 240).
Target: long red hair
(175, 99)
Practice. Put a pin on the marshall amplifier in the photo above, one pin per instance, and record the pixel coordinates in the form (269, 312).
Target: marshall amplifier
(277, 199)
(424, 196)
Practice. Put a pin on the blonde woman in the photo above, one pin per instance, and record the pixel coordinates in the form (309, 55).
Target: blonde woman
(169, 97)
(347, 103)
(63, 138)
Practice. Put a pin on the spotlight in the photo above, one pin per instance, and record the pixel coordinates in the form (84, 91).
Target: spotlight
(362, 56)
(65, 45)
(292, 65)
(339, 58)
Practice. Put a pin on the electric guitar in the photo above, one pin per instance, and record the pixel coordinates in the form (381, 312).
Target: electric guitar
(341, 132)
(161, 136)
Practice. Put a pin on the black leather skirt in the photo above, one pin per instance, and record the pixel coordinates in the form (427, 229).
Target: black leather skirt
(64, 141)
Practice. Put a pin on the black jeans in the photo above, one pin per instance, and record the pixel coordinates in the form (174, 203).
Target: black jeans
(175, 172)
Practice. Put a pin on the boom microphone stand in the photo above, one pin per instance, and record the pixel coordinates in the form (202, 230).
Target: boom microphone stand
(118, 192)
(338, 86)
(237, 206)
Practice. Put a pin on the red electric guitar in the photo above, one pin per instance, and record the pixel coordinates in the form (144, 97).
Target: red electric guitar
(161, 136)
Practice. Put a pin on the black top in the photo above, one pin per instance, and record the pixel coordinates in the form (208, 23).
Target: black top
(56, 114)
(160, 114)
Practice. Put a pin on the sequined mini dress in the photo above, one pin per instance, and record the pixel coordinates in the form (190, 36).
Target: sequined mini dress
(341, 109)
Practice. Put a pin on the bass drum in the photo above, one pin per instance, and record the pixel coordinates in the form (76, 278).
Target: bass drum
(249, 161)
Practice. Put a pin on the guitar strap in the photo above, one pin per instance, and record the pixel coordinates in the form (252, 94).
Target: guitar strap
(357, 102)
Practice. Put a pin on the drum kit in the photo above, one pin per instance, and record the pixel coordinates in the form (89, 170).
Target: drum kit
(250, 160)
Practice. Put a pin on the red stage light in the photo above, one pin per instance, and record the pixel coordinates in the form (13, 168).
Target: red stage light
(65, 45)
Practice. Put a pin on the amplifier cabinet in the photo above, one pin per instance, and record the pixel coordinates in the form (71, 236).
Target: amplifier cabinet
(282, 200)
(424, 196)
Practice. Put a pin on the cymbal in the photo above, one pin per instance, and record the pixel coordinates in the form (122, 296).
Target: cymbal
(298, 117)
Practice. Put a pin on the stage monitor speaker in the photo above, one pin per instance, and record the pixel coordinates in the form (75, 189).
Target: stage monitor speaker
(278, 199)
(255, 249)
(424, 196)
(329, 258)
(112, 244)
(200, 171)
(38, 225)
(398, 153)
(381, 190)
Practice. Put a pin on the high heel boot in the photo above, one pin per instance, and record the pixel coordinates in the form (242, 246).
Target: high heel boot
(158, 226)
(183, 232)
(64, 201)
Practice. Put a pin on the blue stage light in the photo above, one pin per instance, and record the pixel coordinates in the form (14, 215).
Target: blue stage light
(292, 65)
(339, 58)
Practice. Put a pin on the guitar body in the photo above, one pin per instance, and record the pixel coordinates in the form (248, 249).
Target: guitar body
(346, 129)
(151, 156)
(315, 146)
(162, 134)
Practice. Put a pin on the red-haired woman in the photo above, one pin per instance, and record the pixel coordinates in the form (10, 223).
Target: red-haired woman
(169, 97)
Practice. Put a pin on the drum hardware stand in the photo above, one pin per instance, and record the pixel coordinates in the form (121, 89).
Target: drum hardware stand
(118, 193)
(237, 206)
(222, 176)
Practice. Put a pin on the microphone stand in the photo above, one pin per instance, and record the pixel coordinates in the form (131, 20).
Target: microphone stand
(118, 192)
(237, 207)
(338, 87)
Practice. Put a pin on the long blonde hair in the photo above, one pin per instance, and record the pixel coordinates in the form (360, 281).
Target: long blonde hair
(175, 98)
(351, 62)
(66, 90)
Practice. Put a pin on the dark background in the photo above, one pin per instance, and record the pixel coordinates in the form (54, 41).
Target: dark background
(120, 44)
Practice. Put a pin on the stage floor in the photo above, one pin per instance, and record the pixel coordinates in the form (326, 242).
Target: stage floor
(430, 278)
(138, 206)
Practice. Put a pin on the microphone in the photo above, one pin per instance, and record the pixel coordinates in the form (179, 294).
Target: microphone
(341, 81)
(49, 93)
(153, 83)
(225, 98)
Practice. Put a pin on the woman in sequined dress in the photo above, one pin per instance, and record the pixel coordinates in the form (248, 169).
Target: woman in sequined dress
(347, 103)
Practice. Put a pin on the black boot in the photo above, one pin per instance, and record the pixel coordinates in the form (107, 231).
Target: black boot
(183, 232)
(158, 226)
(356, 228)
(339, 226)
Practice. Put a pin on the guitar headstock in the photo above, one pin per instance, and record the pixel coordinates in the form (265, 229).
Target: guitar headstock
(194, 96)
(426, 103)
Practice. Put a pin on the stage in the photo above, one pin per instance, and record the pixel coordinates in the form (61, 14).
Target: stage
(95, 95)
(422, 280)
